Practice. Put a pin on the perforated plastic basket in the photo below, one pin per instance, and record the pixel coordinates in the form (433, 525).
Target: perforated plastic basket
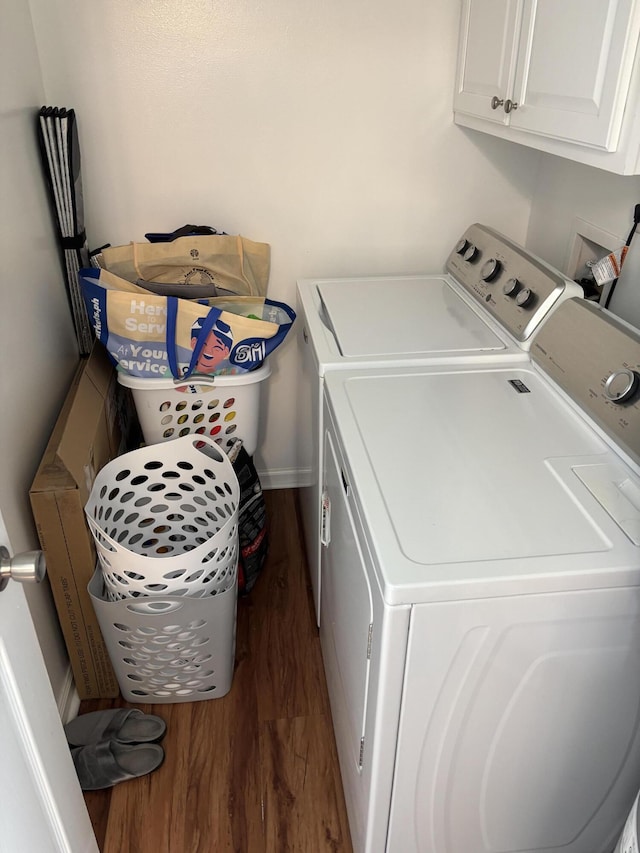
(165, 520)
(169, 649)
(221, 407)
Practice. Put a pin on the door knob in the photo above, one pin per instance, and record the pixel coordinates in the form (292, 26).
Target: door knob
(510, 105)
(27, 567)
(496, 102)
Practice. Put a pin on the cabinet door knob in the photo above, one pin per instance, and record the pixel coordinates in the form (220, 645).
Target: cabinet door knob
(510, 105)
(496, 102)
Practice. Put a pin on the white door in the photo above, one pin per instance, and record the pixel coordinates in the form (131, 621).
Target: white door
(41, 805)
(487, 57)
(574, 66)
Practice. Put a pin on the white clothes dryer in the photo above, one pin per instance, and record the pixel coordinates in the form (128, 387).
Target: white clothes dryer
(484, 308)
(480, 594)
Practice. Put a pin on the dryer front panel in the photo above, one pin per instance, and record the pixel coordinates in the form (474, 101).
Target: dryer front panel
(519, 728)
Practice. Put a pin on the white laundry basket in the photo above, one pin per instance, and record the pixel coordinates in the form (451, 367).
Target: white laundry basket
(171, 648)
(165, 520)
(222, 407)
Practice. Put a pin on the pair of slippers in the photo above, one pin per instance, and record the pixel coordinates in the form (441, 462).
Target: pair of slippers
(108, 747)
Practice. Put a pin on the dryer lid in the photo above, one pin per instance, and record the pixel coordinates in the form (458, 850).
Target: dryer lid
(470, 482)
(420, 315)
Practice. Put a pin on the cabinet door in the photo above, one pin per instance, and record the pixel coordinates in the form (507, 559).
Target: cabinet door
(574, 67)
(487, 57)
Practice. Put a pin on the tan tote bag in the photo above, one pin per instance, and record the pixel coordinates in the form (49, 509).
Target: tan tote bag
(195, 266)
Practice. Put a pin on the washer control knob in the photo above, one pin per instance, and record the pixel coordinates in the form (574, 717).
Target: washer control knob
(621, 385)
(511, 287)
(490, 269)
(471, 253)
(525, 297)
(461, 245)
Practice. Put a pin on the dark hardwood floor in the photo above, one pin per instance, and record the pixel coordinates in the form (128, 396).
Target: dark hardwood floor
(255, 771)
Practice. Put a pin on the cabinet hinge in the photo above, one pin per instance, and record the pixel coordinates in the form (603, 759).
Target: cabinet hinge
(369, 639)
(361, 753)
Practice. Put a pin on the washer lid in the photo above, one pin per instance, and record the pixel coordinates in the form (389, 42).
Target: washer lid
(470, 482)
(419, 315)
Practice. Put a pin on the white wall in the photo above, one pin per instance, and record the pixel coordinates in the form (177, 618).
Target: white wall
(39, 353)
(567, 190)
(323, 128)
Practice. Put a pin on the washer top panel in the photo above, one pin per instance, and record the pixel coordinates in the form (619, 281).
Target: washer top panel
(378, 317)
(487, 306)
(477, 482)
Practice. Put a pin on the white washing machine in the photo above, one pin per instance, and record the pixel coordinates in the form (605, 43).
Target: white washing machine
(481, 595)
(486, 307)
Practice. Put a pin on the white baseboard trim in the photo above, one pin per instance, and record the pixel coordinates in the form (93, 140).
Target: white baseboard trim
(284, 478)
(68, 701)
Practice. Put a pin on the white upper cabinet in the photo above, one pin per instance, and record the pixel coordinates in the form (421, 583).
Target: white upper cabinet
(561, 77)
(572, 78)
(488, 45)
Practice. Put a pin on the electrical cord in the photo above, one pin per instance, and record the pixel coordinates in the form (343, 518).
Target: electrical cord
(636, 220)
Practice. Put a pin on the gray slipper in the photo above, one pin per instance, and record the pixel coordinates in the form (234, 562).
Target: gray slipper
(101, 765)
(126, 725)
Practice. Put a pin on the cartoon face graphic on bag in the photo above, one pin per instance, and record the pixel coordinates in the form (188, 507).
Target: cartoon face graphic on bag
(215, 352)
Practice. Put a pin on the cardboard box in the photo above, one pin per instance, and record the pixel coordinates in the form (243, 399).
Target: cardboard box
(97, 423)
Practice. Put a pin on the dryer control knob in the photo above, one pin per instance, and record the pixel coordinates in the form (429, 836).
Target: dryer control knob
(461, 245)
(525, 297)
(621, 385)
(490, 269)
(471, 253)
(511, 287)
